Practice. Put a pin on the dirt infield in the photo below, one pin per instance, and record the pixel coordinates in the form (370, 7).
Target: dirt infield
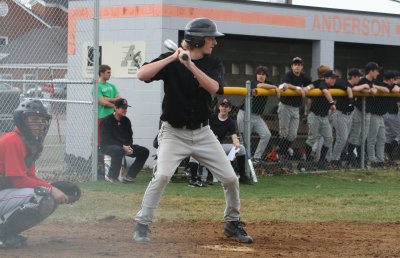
(112, 238)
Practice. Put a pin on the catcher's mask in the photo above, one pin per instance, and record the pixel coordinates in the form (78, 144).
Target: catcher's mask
(197, 29)
(32, 119)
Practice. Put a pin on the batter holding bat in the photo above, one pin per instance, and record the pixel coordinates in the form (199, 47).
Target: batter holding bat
(189, 86)
(26, 200)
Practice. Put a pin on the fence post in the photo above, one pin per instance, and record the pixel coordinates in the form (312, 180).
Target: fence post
(363, 133)
(95, 88)
(247, 122)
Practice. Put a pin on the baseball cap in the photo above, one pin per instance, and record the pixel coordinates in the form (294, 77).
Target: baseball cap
(371, 66)
(226, 102)
(297, 60)
(121, 103)
(330, 74)
(354, 72)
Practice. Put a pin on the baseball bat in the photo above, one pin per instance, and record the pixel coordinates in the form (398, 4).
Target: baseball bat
(252, 171)
(172, 46)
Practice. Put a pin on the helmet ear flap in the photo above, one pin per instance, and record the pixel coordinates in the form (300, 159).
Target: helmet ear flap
(195, 41)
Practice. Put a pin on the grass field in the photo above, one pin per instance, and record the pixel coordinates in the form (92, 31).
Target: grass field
(362, 196)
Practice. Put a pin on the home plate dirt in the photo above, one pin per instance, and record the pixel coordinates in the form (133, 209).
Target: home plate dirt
(113, 238)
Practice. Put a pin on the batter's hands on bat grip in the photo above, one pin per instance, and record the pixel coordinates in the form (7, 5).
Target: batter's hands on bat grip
(184, 55)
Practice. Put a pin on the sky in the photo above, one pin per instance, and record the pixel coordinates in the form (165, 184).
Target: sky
(381, 6)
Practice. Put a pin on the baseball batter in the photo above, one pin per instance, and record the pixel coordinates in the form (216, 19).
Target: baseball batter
(189, 86)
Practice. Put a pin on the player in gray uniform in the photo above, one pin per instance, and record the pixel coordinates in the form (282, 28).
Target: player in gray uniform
(289, 107)
(342, 117)
(321, 70)
(258, 105)
(189, 86)
(355, 137)
(379, 106)
(318, 121)
(392, 124)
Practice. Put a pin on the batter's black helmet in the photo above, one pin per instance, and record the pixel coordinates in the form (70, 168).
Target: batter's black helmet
(198, 28)
(31, 107)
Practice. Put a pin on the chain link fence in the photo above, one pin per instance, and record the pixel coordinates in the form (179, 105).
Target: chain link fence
(36, 61)
(328, 135)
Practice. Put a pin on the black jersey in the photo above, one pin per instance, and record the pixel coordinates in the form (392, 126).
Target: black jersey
(342, 102)
(185, 103)
(380, 105)
(368, 101)
(114, 132)
(320, 105)
(258, 102)
(222, 129)
(393, 108)
(302, 80)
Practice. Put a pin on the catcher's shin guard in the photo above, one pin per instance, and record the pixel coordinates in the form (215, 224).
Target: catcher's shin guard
(27, 216)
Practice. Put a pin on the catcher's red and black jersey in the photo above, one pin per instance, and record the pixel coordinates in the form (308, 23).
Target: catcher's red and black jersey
(12, 162)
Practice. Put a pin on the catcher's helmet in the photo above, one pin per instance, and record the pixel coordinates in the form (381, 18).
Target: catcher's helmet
(27, 108)
(198, 28)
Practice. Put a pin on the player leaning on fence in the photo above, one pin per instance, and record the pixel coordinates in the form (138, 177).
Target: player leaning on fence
(355, 138)
(318, 121)
(289, 107)
(189, 86)
(379, 106)
(392, 124)
(257, 123)
(341, 119)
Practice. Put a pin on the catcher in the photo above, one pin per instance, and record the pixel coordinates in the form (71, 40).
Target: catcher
(26, 200)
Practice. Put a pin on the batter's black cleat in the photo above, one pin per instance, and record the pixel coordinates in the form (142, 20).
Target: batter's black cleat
(235, 228)
(140, 233)
(12, 242)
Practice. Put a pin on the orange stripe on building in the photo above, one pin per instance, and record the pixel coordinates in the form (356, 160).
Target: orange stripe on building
(75, 14)
(398, 30)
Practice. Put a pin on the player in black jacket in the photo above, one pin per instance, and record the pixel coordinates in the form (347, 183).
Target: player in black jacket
(116, 141)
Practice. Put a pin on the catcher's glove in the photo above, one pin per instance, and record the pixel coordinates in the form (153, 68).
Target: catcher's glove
(68, 188)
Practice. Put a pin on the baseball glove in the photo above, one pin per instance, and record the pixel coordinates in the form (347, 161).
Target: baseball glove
(70, 189)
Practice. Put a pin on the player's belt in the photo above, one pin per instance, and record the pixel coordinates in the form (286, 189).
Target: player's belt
(195, 126)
